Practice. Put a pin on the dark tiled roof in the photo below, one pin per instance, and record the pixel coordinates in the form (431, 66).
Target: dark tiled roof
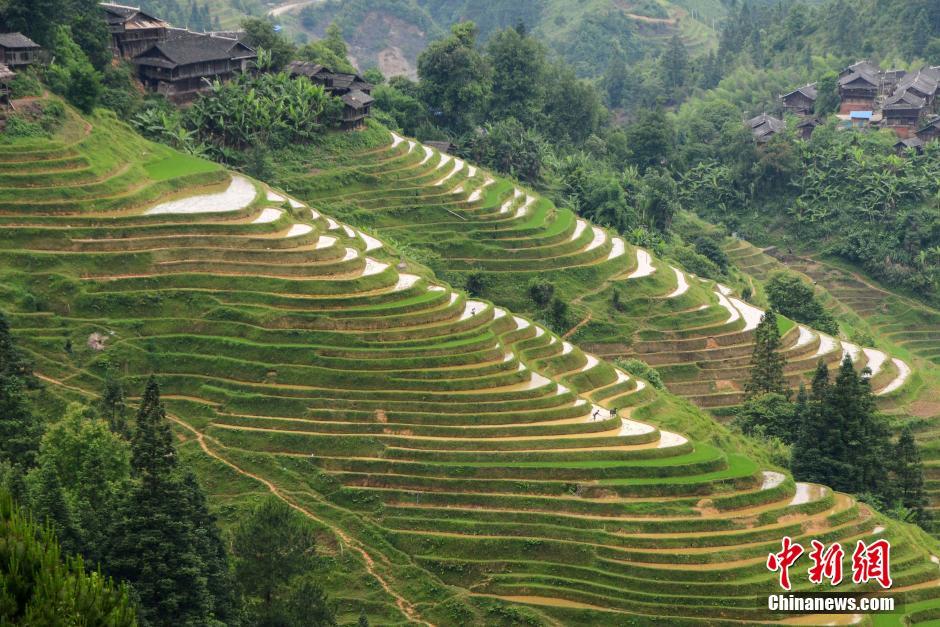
(444, 146)
(904, 100)
(357, 99)
(769, 120)
(119, 10)
(305, 68)
(183, 48)
(854, 76)
(814, 122)
(807, 90)
(935, 122)
(16, 40)
(920, 81)
(865, 66)
(909, 142)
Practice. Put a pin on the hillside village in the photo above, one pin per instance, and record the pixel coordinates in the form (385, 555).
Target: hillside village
(180, 64)
(869, 98)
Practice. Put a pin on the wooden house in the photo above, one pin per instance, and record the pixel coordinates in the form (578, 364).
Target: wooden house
(930, 131)
(890, 80)
(18, 50)
(132, 30)
(864, 66)
(806, 126)
(356, 108)
(764, 126)
(445, 147)
(923, 83)
(800, 101)
(858, 91)
(352, 89)
(6, 76)
(187, 63)
(903, 111)
(908, 143)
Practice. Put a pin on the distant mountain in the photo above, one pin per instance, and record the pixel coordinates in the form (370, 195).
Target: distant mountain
(389, 34)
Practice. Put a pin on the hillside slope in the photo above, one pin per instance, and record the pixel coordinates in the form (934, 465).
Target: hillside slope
(624, 303)
(585, 34)
(463, 463)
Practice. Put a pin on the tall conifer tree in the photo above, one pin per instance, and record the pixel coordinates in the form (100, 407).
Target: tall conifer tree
(766, 361)
(154, 544)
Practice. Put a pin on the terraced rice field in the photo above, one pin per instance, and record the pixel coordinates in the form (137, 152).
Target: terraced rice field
(900, 325)
(698, 334)
(464, 464)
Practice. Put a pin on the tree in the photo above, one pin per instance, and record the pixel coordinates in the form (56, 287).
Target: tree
(767, 363)
(47, 503)
(153, 543)
(675, 65)
(274, 549)
(211, 549)
(455, 79)
(796, 299)
(509, 148)
(907, 472)
(92, 465)
(658, 199)
(260, 33)
(616, 79)
(20, 426)
(769, 415)
(843, 442)
(573, 108)
(73, 75)
(827, 90)
(40, 587)
(113, 404)
(541, 291)
(518, 76)
(651, 139)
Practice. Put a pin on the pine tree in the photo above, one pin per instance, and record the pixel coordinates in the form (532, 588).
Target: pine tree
(48, 504)
(843, 441)
(274, 551)
(20, 427)
(908, 476)
(212, 549)
(767, 363)
(363, 619)
(675, 64)
(114, 404)
(154, 544)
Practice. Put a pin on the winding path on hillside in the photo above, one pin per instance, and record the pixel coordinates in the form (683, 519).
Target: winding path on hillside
(290, 7)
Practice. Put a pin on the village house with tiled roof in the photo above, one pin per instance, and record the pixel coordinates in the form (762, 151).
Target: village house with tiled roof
(186, 63)
(352, 89)
(17, 50)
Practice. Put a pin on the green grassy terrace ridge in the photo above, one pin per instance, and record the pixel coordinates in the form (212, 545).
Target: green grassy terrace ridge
(465, 221)
(464, 464)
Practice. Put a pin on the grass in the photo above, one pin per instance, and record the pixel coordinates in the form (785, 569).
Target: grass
(178, 165)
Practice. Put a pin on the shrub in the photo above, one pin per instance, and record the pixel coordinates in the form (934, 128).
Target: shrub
(642, 370)
(709, 248)
(793, 298)
(769, 415)
(19, 127)
(24, 85)
(541, 291)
